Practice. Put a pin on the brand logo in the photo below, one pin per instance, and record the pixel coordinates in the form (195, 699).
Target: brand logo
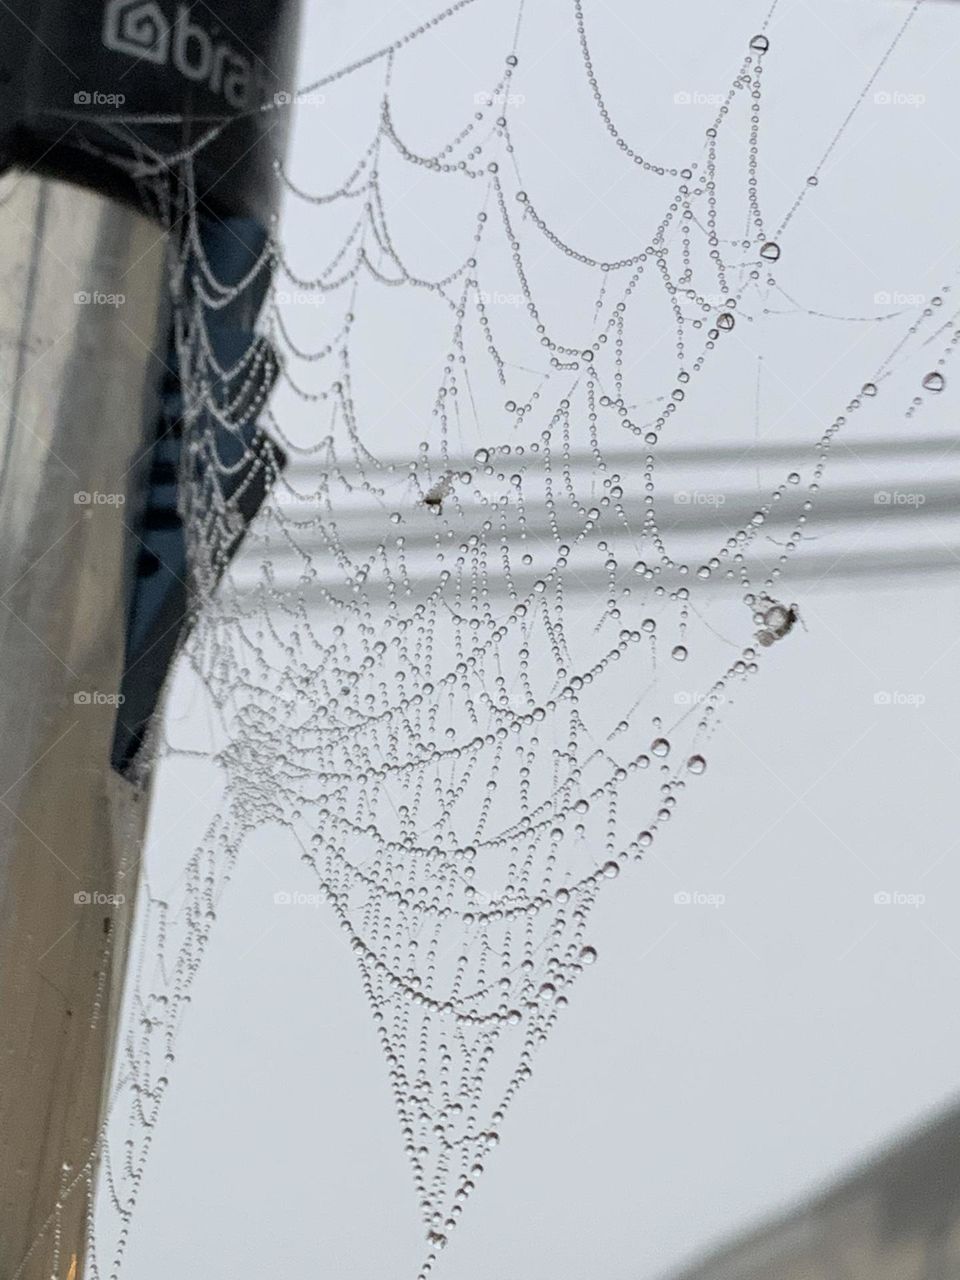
(141, 29)
(137, 28)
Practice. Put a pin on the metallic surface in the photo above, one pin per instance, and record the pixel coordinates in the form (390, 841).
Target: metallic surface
(81, 283)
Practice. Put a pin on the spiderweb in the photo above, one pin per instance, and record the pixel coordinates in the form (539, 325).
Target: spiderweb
(476, 647)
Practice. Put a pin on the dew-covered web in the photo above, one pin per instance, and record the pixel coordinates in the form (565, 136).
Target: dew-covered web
(476, 646)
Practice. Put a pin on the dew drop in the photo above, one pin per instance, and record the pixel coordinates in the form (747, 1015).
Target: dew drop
(770, 251)
(696, 764)
(660, 747)
(725, 320)
(934, 381)
(760, 44)
(679, 652)
(587, 955)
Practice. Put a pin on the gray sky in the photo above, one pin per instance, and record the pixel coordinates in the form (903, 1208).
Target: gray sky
(718, 1060)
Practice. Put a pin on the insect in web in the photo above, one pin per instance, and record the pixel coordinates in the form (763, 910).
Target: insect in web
(777, 620)
(433, 498)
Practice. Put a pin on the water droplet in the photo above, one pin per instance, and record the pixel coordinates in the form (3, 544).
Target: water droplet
(868, 389)
(760, 44)
(725, 320)
(660, 747)
(770, 251)
(934, 381)
(611, 870)
(696, 764)
(587, 955)
(679, 652)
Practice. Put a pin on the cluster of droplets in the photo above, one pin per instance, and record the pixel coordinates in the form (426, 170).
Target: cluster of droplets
(465, 784)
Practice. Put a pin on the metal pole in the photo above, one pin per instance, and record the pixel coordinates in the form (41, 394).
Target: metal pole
(93, 559)
(81, 317)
